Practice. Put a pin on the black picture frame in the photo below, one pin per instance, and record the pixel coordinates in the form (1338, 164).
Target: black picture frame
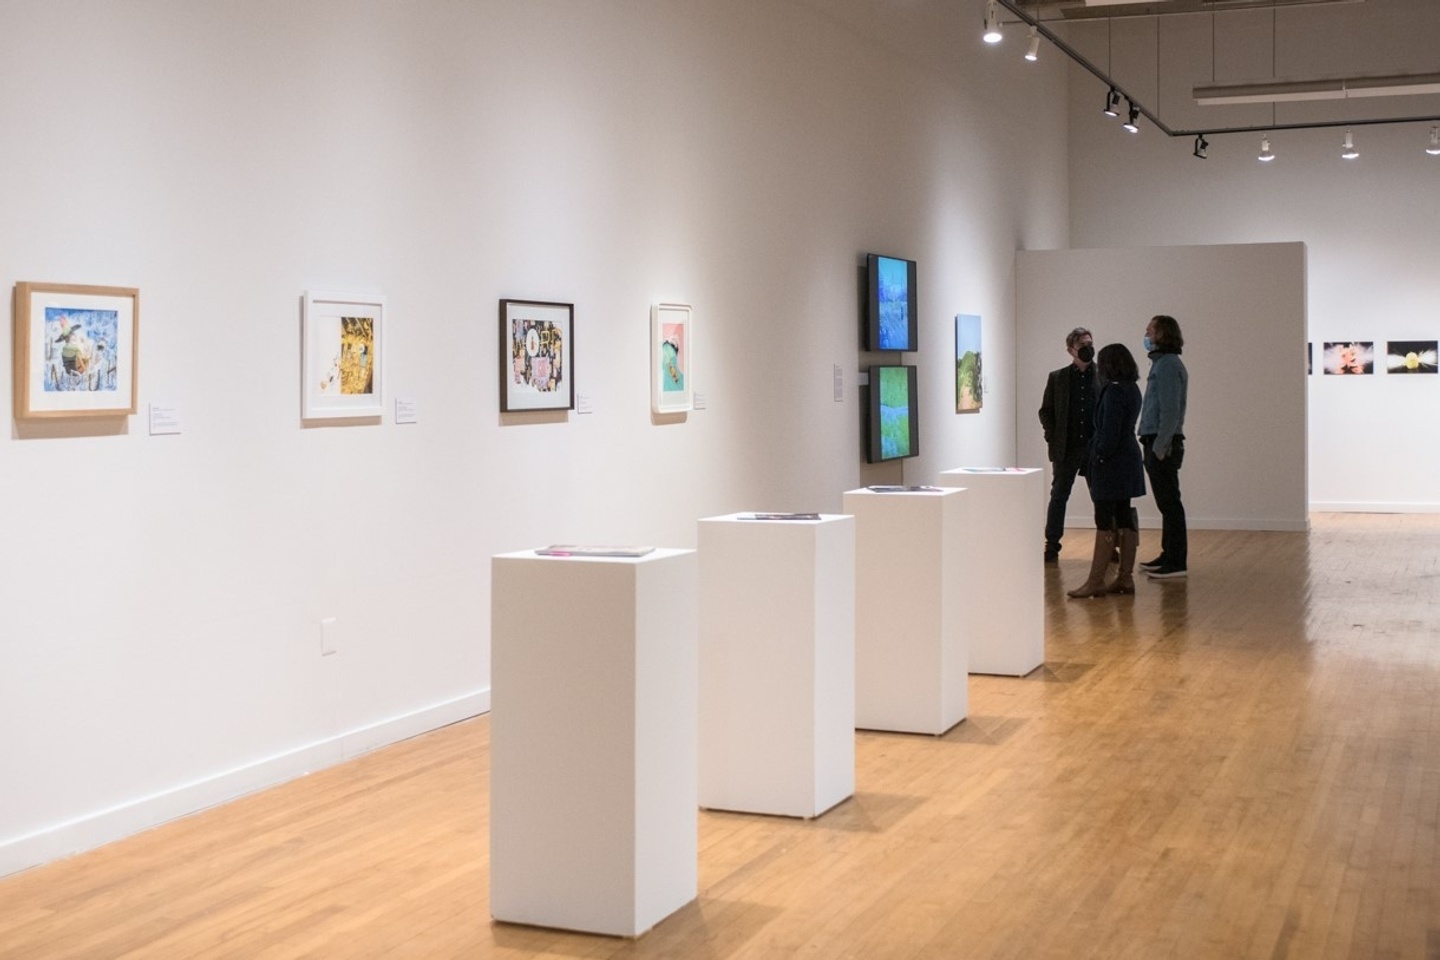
(537, 355)
(892, 304)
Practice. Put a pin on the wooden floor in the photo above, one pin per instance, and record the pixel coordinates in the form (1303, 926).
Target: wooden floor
(1246, 764)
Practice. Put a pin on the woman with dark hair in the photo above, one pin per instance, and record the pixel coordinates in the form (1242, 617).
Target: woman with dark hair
(1115, 471)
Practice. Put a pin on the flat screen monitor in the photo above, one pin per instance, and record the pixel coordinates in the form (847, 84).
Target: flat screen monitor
(891, 321)
(894, 424)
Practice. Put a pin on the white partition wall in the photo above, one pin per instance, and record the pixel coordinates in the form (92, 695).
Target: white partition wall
(777, 664)
(910, 659)
(1242, 311)
(593, 765)
(1004, 596)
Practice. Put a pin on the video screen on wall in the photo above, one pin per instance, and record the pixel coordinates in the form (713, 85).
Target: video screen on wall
(893, 416)
(891, 313)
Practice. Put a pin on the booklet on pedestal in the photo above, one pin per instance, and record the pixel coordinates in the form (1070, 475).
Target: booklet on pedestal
(579, 550)
(896, 488)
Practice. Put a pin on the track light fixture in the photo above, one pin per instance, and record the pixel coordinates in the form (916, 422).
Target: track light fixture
(992, 23)
(1266, 154)
(1131, 124)
(1033, 53)
(1349, 153)
(1201, 145)
(1434, 148)
(1112, 103)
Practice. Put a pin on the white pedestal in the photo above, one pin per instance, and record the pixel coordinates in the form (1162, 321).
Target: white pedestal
(593, 822)
(910, 660)
(1005, 595)
(777, 664)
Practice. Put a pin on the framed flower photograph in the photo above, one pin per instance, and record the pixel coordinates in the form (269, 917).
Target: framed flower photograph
(344, 356)
(75, 350)
(537, 353)
(671, 358)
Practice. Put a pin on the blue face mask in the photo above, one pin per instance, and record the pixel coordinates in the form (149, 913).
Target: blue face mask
(1148, 344)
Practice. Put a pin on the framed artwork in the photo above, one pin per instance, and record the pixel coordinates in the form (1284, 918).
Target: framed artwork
(344, 356)
(968, 398)
(893, 414)
(892, 315)
(75, 350)
(671, 358)
(1410, 356)
(537, 352)
(1350, 357)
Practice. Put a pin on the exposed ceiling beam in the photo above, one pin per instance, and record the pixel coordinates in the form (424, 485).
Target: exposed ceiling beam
(1118, 9)
(1286, 91)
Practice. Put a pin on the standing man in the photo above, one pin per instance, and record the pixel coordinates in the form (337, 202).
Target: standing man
(1067, 413)
(1162, 437)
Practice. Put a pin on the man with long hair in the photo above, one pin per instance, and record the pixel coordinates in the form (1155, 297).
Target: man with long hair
(1162, 436)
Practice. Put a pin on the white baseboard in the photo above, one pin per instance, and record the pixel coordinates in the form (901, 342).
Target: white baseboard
(1361, 506)
(123, 820)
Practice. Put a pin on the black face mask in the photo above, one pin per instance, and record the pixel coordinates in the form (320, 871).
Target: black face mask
(1086, 353)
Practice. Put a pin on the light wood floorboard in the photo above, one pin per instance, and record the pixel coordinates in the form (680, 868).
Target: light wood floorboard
(1242, 765)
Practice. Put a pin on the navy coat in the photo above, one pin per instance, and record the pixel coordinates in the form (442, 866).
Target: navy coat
(1116, 468)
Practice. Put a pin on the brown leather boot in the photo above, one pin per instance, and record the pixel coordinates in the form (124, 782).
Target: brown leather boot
(1094, 585)
(1124, 581)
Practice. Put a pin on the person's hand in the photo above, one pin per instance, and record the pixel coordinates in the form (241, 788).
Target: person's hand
(1159, 455)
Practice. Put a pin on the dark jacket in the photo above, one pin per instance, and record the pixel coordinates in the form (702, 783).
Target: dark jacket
(1116, 470)
(1055, 408)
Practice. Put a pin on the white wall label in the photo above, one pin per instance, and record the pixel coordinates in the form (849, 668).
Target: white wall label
(407, 410)
(839, 379)
(583, 404)
(699, 401)
(164, 419)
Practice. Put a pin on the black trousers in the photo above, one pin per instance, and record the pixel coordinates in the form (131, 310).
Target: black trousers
(1062, 481)
(1165, 487)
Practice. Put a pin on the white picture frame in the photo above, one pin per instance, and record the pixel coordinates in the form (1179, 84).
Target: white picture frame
(672, 358)
(343, 362)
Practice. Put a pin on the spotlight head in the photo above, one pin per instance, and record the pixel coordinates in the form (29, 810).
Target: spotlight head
(1201, 145)
(1434, 148)
(1112, 103)
(1349, 152)
(1131, 124)
(1033, 53)
(992, 32)
(1266, 154)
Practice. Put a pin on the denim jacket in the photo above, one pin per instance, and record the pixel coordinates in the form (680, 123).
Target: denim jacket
(1162, 414)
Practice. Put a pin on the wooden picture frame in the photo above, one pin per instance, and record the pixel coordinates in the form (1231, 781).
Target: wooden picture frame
(75, 350)
(343, 362)
(672, 351)
(537, 355)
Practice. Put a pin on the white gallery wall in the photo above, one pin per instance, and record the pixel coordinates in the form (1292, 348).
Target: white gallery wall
(1369, 225)
(161, 596)
(1243, 470)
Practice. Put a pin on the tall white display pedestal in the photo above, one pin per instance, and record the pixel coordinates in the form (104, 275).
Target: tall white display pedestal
(911, 669)
(777, 664)
(1005, 595)
(593, 807)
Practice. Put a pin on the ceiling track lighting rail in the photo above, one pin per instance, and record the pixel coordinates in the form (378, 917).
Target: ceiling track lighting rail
(1116, 90)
